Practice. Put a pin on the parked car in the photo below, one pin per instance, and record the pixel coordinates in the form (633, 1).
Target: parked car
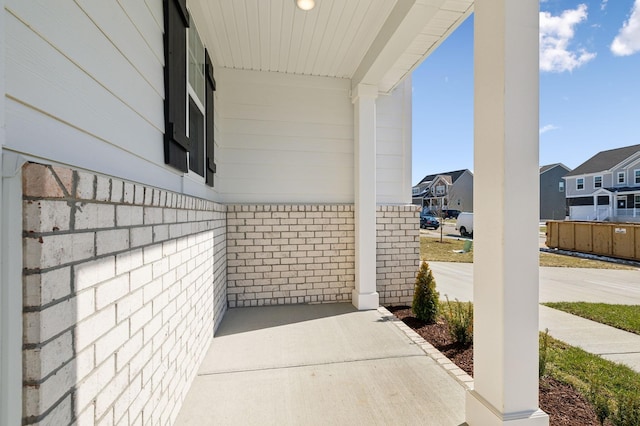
(429, 221)
(450, 213)
(426, 211)
(464, 224)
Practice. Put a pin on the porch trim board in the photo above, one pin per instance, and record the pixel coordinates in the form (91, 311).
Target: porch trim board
(365, 295)
(506, 217)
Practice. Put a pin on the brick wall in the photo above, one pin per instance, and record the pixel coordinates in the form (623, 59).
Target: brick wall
(283, 254)
(123, 287)
(397, 253)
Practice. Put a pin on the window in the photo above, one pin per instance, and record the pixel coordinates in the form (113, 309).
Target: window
(636, 200)
(196, 89)
(636, 174)
(189, 86)
(580, 183)
(621, 178)
(560, 186)
(440, 190)
(597, 182)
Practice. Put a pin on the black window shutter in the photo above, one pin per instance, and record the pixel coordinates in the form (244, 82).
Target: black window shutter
(176, 143)
(211, 87)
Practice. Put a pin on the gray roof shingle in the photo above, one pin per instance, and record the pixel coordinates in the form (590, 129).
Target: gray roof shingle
(604, 160)
(454, 176)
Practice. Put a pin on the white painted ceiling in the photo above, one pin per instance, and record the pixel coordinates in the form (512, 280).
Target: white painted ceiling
(338, 38)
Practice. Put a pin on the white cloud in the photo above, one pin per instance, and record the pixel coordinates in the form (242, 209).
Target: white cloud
(556, 32)
(603, 4)
(548, 128)
(627, 42)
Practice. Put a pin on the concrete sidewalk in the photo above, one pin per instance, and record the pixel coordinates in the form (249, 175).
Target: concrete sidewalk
(318, 365)
(567, 285)
(609, 342)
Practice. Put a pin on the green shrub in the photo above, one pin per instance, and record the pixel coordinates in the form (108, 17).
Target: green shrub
(425, 297)
(459, 316)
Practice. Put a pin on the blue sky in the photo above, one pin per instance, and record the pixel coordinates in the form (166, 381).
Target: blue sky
(589, 88)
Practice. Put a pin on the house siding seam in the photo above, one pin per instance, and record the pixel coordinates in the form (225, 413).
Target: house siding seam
(397, 253)
(288, 254)
(124, 285)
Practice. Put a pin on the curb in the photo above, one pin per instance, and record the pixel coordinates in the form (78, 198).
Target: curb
(591, 256)
(454, 371)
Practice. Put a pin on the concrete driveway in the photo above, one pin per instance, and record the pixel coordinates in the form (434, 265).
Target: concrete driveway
(556, 284)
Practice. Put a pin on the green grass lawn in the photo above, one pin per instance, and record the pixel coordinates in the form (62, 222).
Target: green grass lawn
(606, 384)
(624, 317)
(431, 249)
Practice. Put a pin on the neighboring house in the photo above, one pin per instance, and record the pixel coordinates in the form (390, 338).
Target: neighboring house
(165, 160)
(450, 190)
(606, 186)
(553, 204)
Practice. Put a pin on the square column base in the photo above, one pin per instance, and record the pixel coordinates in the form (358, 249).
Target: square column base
(365, 301)
(480, 412)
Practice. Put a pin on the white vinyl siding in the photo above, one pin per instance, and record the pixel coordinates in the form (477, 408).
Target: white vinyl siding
(393, 145)
(85, 87)
(284, 138)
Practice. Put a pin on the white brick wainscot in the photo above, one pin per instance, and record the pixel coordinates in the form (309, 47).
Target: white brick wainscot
(124, 285)
(283, 254)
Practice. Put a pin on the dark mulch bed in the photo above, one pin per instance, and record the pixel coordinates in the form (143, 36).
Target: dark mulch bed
(565, 406)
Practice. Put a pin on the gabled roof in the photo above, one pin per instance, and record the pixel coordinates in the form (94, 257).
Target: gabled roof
(605, 160)
(552, 166)
(453, 175)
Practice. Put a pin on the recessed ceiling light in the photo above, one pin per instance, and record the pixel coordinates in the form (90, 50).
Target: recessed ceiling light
(305, 4)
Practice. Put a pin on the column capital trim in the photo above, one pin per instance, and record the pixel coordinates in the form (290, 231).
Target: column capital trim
(365, 91)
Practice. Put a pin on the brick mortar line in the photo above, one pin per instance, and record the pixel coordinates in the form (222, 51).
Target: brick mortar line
(34, 234)
(36, 271)
(36, 383)
(69, 199)
(74, 293)
(29, 420)
(456, 372)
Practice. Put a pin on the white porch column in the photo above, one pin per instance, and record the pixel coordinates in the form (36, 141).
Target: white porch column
(506, 207)
(364, 101)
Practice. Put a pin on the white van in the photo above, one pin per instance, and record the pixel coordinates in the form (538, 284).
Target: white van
(464, 224)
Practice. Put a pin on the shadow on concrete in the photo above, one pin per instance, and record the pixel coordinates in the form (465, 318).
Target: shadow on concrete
(242, 320)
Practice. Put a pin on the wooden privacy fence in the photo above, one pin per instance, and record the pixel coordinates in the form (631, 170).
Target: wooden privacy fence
(603, 238)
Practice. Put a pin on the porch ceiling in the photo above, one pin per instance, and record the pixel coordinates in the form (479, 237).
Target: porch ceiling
(369, 41)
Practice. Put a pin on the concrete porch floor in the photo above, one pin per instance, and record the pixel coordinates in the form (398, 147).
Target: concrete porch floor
(318, 365)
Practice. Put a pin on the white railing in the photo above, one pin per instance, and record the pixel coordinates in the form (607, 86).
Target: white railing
(632, 212)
